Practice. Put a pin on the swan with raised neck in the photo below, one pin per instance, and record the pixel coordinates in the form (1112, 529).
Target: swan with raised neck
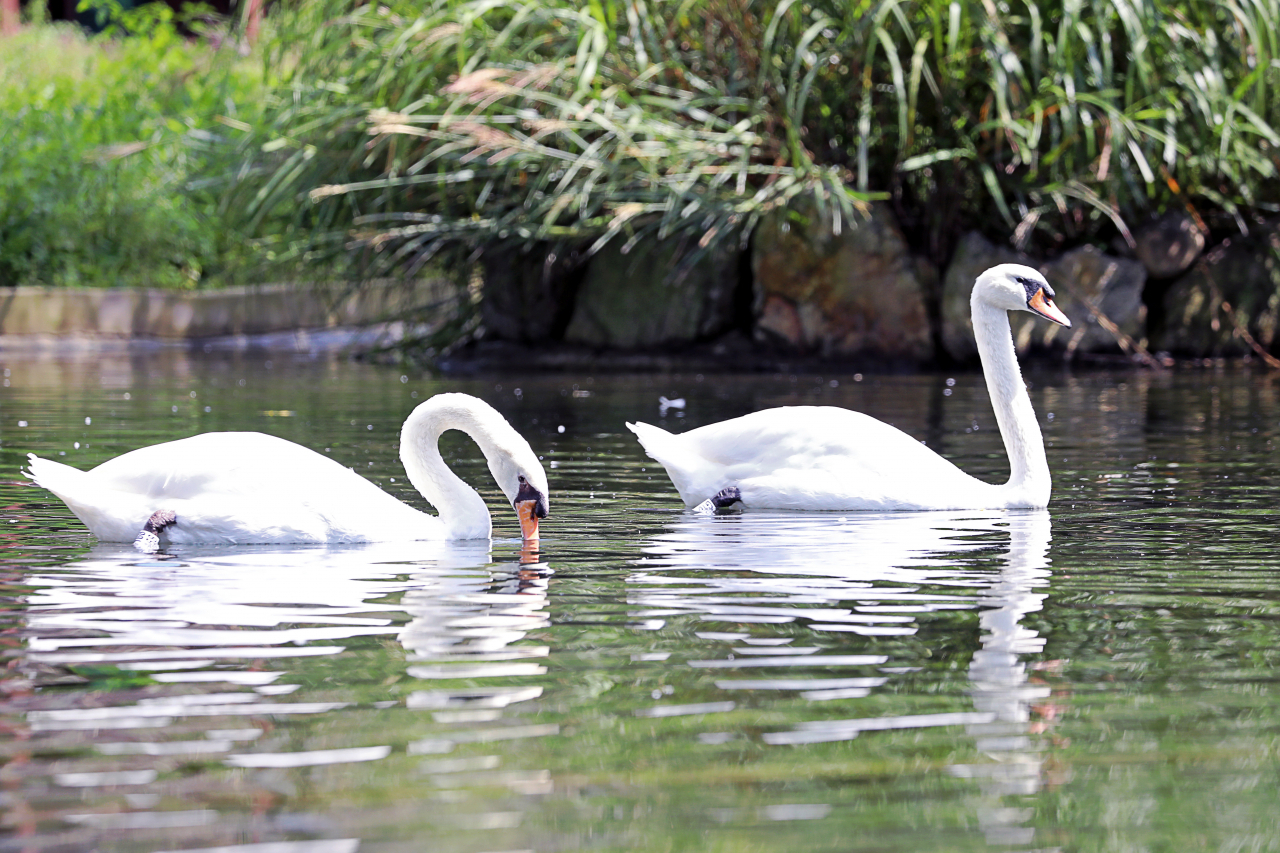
(999, 290)
(829, 458)
(240, 488)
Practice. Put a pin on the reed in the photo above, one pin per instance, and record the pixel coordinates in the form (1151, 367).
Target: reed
(1062, 122)
(399, 132)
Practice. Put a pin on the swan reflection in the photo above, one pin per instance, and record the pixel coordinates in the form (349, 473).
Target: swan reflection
(1000, 686)
(464, 626)
(217, 628)
(756, 578)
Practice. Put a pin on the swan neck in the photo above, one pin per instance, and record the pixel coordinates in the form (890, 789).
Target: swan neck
(462, 510)
(1028, 468)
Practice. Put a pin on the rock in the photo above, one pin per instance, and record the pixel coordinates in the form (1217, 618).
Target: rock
(528, 293)
(652, 297)
(1246, 273)
(1169, 245)
(856, 292)
(1080, 278)
(192, 314)
(974, 254)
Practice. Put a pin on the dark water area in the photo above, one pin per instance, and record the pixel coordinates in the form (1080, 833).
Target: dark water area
(1098, 676)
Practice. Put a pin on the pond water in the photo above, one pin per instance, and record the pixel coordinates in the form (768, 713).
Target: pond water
(1100, 676)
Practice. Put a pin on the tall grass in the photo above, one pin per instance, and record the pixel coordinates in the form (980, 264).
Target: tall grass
(102, 139)
(1056, 122)
(402, 131)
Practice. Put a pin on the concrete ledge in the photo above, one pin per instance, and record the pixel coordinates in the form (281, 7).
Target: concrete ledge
(186, 315)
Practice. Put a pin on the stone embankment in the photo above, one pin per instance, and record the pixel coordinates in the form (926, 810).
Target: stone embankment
(335, 314)
(798, 286)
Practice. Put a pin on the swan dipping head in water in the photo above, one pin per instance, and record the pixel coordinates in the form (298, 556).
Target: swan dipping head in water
(241, 488)
(828, 458)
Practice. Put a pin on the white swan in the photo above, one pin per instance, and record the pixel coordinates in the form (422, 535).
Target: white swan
(827, 458)
(239, 488)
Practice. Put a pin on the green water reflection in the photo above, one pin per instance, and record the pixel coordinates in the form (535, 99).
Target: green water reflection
(1101, 676)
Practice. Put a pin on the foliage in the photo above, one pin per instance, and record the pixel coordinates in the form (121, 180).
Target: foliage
(101, 139)
(400, 131)
(1061, 122)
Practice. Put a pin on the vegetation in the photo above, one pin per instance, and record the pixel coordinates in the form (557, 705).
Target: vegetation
(104, 140)
(1060, 122)
(402, 132)
(392, 131)
(398, 132)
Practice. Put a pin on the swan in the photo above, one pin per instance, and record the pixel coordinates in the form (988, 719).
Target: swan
(239, 488)
(828, 458)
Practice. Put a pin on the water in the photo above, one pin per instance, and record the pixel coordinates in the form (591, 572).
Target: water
(1101, 676)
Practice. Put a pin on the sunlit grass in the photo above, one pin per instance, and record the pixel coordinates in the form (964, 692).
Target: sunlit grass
(402, 131)
(102, 140)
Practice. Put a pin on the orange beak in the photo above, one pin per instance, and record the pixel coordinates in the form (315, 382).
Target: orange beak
(528, 512)
(1043, 305)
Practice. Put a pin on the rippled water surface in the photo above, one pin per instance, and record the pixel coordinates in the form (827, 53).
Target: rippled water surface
(1100, 676)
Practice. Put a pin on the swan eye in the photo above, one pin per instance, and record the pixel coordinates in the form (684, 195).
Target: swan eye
(1031, 286)
(521, 478)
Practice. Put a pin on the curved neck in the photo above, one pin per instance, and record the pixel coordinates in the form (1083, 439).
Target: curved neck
(1028, 468)
(461, 508)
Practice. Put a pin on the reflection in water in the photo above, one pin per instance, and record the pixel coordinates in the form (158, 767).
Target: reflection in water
(195, 647)
(999, 685)
(874, 576)
(462, 628)
(717, 682)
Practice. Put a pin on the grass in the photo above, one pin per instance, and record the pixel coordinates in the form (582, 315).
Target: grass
(394, 133)
(1054, 124)
(104, 139)
(401, 131)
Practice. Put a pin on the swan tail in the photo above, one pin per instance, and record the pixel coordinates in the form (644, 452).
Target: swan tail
(693, 476)
(54, 476)
(110, 515)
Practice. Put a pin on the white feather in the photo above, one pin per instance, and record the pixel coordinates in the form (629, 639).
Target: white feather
(233, 488)
(826, 458)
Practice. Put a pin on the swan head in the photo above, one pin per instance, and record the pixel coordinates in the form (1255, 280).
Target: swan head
(1015, 287)
(519, 474)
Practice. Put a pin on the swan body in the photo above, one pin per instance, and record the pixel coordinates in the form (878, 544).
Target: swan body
(827, 458)
(239, 488)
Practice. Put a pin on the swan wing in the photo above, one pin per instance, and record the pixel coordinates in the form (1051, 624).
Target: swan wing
(233, 488)
(809, 457)
(224, 463)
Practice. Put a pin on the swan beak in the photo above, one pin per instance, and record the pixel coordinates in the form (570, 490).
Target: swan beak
(1042, 304)
(528, 512)
(531, 505)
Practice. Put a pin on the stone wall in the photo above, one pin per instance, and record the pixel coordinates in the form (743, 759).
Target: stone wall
(847, 292)
(798, 285)
(805, 285)
(177, 315)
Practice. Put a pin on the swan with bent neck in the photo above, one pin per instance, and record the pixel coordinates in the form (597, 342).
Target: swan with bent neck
(241, 488)
(828, 458)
